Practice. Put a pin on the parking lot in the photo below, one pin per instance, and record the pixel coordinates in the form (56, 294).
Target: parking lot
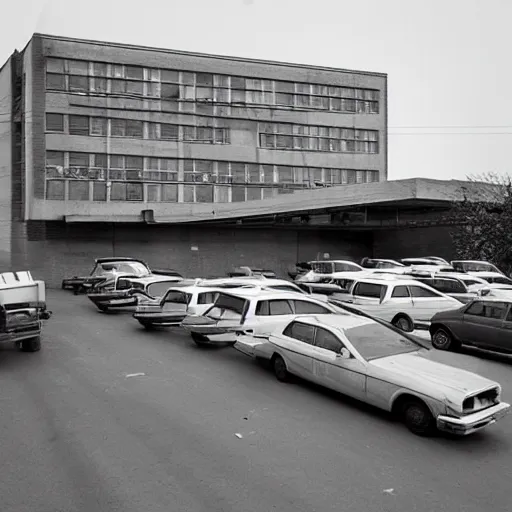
(111, 417)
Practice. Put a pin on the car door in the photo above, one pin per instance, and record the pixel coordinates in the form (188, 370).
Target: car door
(346, 376)
(427, 302)
(175, 302)
(400, 300)
(204, 301)
(484, 324)
(368, 294)
(268, 315)
(296, 345)
(506, 337)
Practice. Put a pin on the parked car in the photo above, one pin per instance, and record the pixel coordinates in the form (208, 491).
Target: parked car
(405, 303)
(254, 309)
(22, 310)
(473, 283)
(496, 290)
(298, 269)
(249, 271)
(106, 268)
(116, 293)
(450, 286)
(494, 277)
(175, 305)
(376, 263)
(474, 266)
(379, 365)
(441, 261)
(331, 266)
(484, 323)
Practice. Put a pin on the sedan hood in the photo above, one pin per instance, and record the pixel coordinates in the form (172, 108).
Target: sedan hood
(418, 373)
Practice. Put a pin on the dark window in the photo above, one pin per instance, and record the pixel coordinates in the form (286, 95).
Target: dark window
(476, 309)
(301, 332)
(78, 125)
(304, 307)
(134, 192)
(99, 191)
(500, 280)
(448, 286)
(79, 190)
(170, 91)
(158, 289)
(134, 129)
(78, 83)
(376, 291)
(79, 159)
(345, 267)
(418, 291)
(55, 189)
(327, 340)
(262, 308)
(124, 284)
(207, 297)
(169, 131)
(495, 310)
(176, 297)
(134, 72)
(55, 82)
(274, 307)
(55, 122)
(400, 291)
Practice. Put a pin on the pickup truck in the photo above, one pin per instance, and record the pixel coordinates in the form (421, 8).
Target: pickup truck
(22, 310)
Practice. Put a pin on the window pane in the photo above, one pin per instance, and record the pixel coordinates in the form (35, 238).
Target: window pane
(253, 193)
(153, 193)
(78, 83)
(280, 307)
(284, 99)
(169, 131)
(170, 193)
(204, 134)
(79, 159)
(327, 340)
(285, 174)
(136, 88)
(99, 85)
(78, 125)
(118, 191)
(237, 194)
(400, 291)
(189, 133)
(188, 193)
(134, 129)
(55, 189)
(55, 82)
(222, 194)
(99, 126)
(133, 162)
(303, 307)
(99, 191)
(99, 69)
(55, 158)
(170, 76)
(170, 91)
(55, 65)
(134, 72)
(118, 127)
(118, 86)
(417, 291)
(78, 67)
(134, 191)
(204, 193)
(55, 122)
(79, 190)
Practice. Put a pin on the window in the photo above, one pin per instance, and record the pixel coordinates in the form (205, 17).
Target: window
(126, 128)
(78, 125)
(207, 297)
(448, 286)
(400, 292)
(301, 332)
(79, 159)
(176, 297)
(327, 340)
(55, 158)
(55, 82)
(55, 190)
(79, 190)
(377, 291)
(496, 310)
(158, 289)
(98, 126)
(345, 267)
(78, 83)
(55, 123)
(418, 291)
(304, 307)
(273, 307)
(55, 65)
(99, 191)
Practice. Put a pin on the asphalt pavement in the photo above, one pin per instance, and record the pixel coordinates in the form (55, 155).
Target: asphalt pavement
(109, 417)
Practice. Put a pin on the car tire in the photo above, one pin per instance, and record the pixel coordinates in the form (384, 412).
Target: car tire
(31, 344)
(103, 309)
(404, 323)
(280, 369)
(418, 418)
(442, 339)
(147, 325)
(199, 339)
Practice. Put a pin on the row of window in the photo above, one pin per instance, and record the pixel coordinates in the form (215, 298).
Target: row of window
(101, 78)
(134, 129)
(102, 166)
(317, 144)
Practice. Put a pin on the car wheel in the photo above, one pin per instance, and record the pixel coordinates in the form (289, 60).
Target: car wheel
(442, 339)
(418, 418)
(103, 309)
(147, 325)
(280, 370)
(199, 339)
(403, 323)
(31, 345)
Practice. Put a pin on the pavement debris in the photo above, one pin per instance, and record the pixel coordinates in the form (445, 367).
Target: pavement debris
(135, 375)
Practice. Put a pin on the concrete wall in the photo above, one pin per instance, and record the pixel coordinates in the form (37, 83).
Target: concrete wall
(56, 250)
(5, 164)
(413, 242)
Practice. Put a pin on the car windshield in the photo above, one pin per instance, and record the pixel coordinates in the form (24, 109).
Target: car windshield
(126, 267)
(474, 266)
(374, 341)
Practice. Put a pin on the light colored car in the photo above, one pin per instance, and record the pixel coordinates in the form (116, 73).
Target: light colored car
(472, 282)
(474, 267)
(116, 293)
(378, 365)
(251, 309)
(494, 277)
(402, 302)
(175, 305)
(496, 290)
(331, 266)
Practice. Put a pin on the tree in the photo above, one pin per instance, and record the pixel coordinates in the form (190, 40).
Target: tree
(482, 221)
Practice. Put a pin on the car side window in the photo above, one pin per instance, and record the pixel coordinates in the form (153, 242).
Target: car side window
(124, 284)
(400, 291)
(449, 286)
(262, 308)
(301, 332)
(418, 291)
(476, 309)
(280, 307)
(304, 307)
(327, 340)
(207, 297)
(509, 315)
(158, 289)
(375, 291)
(495, 310)
(175, 297)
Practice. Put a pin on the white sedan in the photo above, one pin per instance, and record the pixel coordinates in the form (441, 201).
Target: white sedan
(378, 365)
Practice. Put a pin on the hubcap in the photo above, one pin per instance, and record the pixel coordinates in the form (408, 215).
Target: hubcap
(403, 324)
(416, 415)
(280, 367)
(441, 339)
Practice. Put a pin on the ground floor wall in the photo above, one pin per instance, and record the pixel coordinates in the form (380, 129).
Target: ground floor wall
(56, 250)
(53, 250)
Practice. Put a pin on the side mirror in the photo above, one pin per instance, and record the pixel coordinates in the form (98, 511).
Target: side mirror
(485, 292)
(345, 353)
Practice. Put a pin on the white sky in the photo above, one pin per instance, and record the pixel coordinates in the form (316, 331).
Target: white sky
(448, 63)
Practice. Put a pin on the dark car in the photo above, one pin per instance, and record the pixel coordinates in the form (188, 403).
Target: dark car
(106, 268)
(484, 323)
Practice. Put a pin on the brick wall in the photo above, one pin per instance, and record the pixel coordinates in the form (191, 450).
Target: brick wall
(413, 242)
(56, 250)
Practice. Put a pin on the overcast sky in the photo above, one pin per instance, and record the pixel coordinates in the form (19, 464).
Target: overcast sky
(448, 62)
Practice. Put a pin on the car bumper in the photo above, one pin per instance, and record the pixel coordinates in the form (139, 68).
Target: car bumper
(160, 318)
(472, 422)
(112, 301)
